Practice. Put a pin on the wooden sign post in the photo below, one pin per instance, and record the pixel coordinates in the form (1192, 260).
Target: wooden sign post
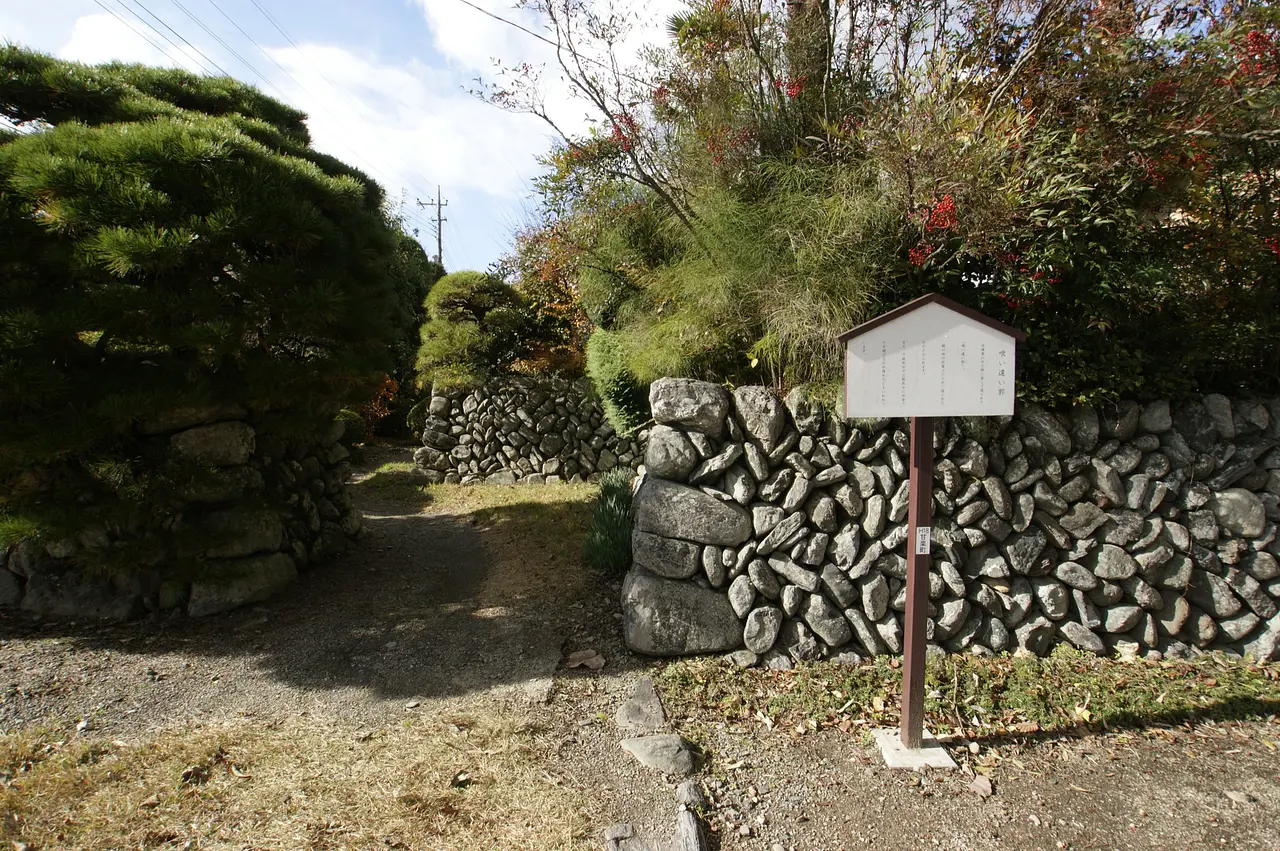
(929, 358)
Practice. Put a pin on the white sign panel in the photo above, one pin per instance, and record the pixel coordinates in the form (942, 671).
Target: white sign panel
(929, 362)
(924, 537)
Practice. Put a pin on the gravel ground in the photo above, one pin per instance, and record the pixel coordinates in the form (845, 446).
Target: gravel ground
(432, 607)
(410, 614)
(829, 790)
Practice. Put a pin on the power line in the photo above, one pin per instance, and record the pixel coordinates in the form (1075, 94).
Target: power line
(197, 50)
(439, 221)
(355, 108)
(180, 54)
(283, 69)
(260, 48)
(413, 219)
(218, 38)
(136, 31)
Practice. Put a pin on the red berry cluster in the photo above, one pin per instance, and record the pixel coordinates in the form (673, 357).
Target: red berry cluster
(1259, 53)
(920, 254)
(1014, 303)
(1160, 90)
(1273, 242)
(792, 85)
(942, 216)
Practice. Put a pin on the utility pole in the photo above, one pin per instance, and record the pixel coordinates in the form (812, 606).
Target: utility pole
(439, 221)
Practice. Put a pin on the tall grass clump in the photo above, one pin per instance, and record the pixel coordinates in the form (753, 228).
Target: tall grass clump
(608, 543)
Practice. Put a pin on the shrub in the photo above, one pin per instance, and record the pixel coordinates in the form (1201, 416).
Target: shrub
(416, 419)
(476, 326)
(1102, 177)
(624, 398)
(413, 274)
(169, 240)
(355, 427)
(607, 545)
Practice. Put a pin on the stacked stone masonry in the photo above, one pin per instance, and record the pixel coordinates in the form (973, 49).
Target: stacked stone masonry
(260, 511)
(521, 429)
(1140, 529)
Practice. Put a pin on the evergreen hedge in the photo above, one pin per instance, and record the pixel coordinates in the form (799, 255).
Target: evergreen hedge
(168, 239)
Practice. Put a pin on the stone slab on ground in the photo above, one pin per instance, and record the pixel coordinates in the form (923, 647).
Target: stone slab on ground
(899, 757)
(643, 712)
(669, 753)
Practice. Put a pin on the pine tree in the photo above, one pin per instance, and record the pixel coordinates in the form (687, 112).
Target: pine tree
(169, 239)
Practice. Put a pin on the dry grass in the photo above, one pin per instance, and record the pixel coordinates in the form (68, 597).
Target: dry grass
(535, 531)
(297, 784)
(975, 697)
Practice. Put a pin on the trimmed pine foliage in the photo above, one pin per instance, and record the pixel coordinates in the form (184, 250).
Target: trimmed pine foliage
(168, 239)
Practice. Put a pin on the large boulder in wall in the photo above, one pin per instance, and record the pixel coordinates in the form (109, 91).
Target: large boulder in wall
(678, 511)
(699, 405)
(672, 617)
(227, 584)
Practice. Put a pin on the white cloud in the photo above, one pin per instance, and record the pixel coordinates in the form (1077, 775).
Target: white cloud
(102, 37)
(411, 123)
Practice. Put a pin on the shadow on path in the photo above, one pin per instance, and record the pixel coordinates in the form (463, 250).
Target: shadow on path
(423, 608)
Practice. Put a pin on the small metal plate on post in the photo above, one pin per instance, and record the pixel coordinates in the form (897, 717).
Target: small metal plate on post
(899, 757)
(924, 540)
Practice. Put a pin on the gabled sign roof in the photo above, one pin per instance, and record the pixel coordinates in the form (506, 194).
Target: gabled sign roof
(941, 301)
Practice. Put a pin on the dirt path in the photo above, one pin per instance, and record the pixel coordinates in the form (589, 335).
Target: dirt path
(417, 612)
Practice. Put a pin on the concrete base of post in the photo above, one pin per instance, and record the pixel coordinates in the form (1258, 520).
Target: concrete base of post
(898, 757)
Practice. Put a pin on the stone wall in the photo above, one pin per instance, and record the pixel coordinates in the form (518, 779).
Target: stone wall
(524, 429)
(1139, 529)
(254, 511)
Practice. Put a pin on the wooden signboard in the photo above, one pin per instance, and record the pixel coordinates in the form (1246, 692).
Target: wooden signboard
(929, 358)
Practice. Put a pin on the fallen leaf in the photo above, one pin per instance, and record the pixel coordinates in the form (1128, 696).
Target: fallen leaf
(195, 775)
(235, 769)
(461, 780)
(1239, 797)
(578, 657)
(1079, 789)
(982, 785)
(413, 704)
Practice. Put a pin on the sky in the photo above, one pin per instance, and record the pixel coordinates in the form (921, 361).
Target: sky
(385, 85)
